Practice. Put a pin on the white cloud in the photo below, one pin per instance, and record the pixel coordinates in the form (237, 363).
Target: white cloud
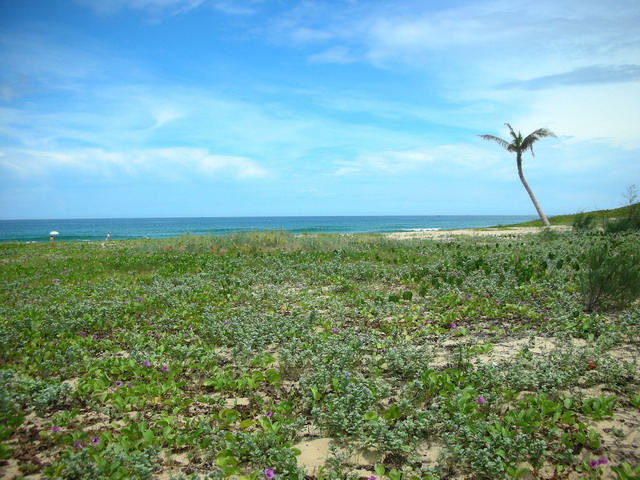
(163, 116)
(310, 35)
(594, 112)
(170, 7)
(405, 161)
(338, 54)
(172, 163)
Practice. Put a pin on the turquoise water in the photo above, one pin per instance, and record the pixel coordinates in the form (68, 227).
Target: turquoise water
(128, 228)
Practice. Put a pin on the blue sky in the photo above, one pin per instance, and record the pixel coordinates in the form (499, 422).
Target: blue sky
(136, 108)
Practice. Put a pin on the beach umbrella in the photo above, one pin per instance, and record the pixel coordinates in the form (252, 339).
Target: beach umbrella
(54, 233)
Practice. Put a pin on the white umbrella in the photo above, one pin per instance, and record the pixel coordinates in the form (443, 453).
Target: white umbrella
(54, 233)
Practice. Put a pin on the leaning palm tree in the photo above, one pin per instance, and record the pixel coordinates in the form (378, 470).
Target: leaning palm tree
(520, 145)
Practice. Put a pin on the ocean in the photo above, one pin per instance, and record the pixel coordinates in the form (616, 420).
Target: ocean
(130, 228)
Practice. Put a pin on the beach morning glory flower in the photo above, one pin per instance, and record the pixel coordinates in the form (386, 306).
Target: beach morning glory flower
(453, 325)
(268, 414)
(147, 363)
(594, 464)
(118, 383)
(481, 400)
(268, 473)
(55, 429)
(164, 368)
(82, 334)
(373, 477)
(95, 440)
(602, 460)
(130, 384)
(77, 444)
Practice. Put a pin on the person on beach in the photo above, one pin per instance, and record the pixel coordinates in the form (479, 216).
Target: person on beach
(108, 237)
(51, 237)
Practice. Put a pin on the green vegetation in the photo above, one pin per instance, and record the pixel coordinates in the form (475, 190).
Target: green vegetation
(237, 356)
(599, 217)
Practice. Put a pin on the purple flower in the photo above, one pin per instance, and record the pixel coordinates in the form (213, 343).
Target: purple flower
(82, 334)
(546, 319)
(268, 473)
(95, 440)
(77, 444)
(149, 322)
(130, 384)
(497, 302)
(602, 460)
(594, 464)
(481, 400)
(420, 327)
(55, 429)
(118, 384)
(139, 299)
(268, 414)
(94, 336)
(226, 322)
(453, 325)
(333, 330)
(56, 281)
(486, 294)
(373, 477)
(164, 368)
(520, 302)
(147, 363)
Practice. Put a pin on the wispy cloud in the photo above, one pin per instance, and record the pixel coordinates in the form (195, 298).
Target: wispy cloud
(597, 74)
(156, 7)
(337, 54)
(461, 158)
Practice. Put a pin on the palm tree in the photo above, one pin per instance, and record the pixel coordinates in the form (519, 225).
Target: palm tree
(520, 145)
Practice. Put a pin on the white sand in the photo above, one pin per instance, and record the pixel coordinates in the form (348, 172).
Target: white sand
(475, 232)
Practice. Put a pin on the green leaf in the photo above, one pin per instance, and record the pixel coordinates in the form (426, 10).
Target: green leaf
(246, 424)
(148, 437)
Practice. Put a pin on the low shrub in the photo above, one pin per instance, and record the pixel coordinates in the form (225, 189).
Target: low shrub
(584, 222)
(610, 277)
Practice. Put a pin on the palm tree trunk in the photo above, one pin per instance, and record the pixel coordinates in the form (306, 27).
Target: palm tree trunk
(541, 214)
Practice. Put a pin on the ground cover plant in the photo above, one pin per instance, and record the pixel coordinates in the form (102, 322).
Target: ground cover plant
(267, 355)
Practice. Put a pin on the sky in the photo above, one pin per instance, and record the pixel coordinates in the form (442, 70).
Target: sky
(171, 108)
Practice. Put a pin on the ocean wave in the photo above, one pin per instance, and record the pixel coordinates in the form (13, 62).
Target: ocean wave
(420, 229)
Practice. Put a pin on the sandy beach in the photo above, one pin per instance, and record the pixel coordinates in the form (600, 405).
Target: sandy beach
(475, 232)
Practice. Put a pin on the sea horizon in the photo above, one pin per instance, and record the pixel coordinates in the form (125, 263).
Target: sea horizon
(94, 229)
